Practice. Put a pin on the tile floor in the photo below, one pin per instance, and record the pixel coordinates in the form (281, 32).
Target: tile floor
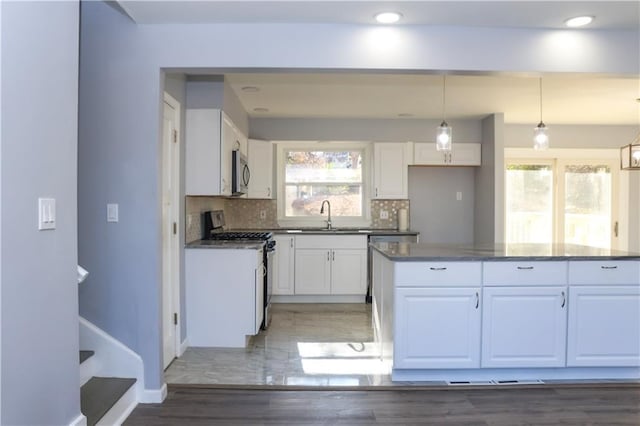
(306, 345)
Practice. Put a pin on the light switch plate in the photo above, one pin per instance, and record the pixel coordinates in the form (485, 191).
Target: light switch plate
(459, 195)
(112, 212)
(46, 213)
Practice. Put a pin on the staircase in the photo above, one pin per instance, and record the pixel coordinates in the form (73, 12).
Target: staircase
(104, 400)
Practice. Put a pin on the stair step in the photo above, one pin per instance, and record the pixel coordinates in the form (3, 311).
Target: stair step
(99, 394)
(85, 355)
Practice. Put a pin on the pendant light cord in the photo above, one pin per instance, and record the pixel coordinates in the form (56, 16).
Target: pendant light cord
(541, 99)
(444, 93)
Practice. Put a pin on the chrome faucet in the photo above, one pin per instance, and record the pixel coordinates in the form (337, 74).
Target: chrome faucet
(329, 212)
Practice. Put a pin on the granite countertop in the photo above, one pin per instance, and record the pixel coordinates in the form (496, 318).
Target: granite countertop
(335, 231)
(213, 244)
(408, 252)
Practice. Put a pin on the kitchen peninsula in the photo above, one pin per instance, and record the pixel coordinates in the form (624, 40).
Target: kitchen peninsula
(506, 313)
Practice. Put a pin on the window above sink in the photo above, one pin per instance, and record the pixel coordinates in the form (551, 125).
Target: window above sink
(310, 172)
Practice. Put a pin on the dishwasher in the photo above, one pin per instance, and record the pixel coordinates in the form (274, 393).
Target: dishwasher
(382, 238)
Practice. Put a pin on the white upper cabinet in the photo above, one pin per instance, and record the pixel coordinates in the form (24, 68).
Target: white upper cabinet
(211, 136)
(261, 183)
(462, 154)
(390, 171)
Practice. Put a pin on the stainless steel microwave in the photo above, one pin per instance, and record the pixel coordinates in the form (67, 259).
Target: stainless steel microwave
(240, 174)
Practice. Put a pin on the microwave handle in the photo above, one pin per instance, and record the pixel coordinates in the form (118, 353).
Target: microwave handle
(246, 175)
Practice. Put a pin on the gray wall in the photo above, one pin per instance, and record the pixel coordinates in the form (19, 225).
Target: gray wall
(120, 139)
(489, 183)
(435, 211)
(39, 145)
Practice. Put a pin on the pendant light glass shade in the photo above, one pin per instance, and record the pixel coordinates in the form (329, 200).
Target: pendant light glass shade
(444, 135)
(540, 135)
(443, 138)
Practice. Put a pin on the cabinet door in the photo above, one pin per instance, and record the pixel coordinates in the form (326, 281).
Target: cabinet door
(604, 326)
(524, 326)
(462, 154)
(437, 328)
(313, 271)
(391, 168)
(202, 152)
(283, 265)
(230, 141)
(349, 272)
(261, 168)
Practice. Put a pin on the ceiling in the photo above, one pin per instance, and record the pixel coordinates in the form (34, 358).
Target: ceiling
(566, 99)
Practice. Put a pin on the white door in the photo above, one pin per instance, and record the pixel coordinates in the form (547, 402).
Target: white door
(349, 272)
(524, 326)
(437, 328)
(170, 249)
(313, 271)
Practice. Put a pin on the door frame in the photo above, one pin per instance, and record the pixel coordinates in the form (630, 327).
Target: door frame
(175, 247)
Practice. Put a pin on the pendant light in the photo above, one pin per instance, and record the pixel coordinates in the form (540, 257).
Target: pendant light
(630, 154)
(540, 136)
(443, 137)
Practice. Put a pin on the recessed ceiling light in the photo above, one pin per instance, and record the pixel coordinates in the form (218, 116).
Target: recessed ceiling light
(405, 114)
(250, 89)
(578, 21)
(388, 17)
(260, 109)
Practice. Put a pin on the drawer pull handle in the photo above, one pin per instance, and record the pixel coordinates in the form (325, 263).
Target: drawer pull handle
(609, 267)
(438, 269)
(525, 268)
(564, 300)
(477, 300)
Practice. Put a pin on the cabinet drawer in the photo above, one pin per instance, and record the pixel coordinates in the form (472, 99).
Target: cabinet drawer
(331, 241)
(604, 272)
(420, 274)
(525, 273)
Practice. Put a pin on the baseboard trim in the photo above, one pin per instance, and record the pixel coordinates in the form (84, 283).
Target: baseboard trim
(183, 347)
(318, 299)
(81, 420)
(153, 396)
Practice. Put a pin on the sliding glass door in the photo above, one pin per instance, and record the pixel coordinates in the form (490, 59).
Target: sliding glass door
(562, 201)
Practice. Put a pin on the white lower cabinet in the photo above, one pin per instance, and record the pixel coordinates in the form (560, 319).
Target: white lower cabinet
(331, 265)
(437, 328)
(283, 265)
(604, 326)
(524, 326)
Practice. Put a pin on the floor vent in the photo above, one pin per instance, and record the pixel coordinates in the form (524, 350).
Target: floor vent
(518, 382)
(469, 383)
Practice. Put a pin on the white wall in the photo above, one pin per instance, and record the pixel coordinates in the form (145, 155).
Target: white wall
(120, 94)
(39, 299)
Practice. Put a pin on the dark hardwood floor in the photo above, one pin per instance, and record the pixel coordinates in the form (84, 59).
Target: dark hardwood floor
(509, 406)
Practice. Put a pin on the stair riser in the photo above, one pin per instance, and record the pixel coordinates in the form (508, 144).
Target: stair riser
(88, 369)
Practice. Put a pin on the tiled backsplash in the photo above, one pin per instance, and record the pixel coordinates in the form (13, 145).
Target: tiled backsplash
(391, 206)
(242, 213)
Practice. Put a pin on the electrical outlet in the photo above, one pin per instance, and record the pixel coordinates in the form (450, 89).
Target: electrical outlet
(263, 214)
(384, 214)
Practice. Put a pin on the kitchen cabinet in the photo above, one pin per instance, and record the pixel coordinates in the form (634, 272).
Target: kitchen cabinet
(284, 265)
(331, 265)
(437, 327)
(224, 291)
(211, 136)
(261, 184)
(524, 326)
(461, 154)
(604, 314)
(390, 170)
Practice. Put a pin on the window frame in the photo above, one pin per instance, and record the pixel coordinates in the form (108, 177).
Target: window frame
(320, 221)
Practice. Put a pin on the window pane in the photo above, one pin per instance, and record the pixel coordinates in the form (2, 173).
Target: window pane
(587, 212)
(306, 199)
(323, 166)
(529, 198)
